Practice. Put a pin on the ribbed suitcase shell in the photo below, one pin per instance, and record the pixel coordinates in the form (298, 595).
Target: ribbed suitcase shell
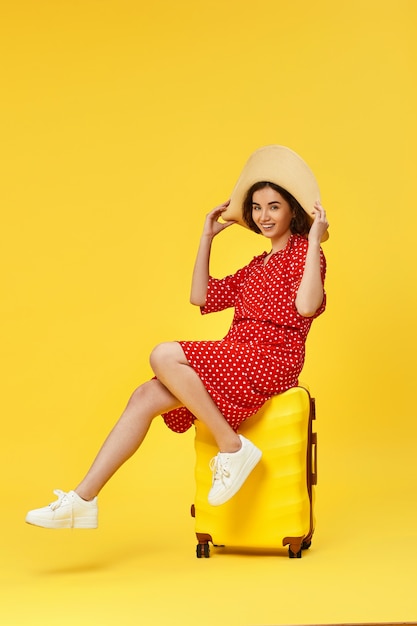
(274, 508)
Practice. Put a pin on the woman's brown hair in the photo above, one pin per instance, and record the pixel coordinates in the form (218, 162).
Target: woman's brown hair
(300, 224)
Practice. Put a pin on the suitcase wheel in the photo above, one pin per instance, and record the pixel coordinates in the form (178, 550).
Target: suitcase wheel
(203, 551)
(295, 555)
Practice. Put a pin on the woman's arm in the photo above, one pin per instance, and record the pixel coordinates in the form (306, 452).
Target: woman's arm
(310, 292)
(212, 227)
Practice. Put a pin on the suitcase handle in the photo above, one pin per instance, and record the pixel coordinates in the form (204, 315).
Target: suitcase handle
(314, 458)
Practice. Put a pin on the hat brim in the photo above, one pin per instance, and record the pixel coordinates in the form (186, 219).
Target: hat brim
(279, 165)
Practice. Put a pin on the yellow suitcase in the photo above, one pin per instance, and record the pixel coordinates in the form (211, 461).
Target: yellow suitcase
(274, 508)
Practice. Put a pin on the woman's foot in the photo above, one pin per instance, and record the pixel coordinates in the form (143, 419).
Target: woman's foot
(230, 470)
(69, 511)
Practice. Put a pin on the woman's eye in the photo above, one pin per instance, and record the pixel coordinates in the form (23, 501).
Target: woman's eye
(255, 207)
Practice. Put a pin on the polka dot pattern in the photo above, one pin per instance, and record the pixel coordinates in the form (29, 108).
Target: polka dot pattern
(264, 349)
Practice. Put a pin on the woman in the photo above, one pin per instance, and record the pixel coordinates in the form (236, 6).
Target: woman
(224, 382)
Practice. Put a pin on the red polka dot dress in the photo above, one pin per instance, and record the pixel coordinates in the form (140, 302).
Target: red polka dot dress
(264, 349)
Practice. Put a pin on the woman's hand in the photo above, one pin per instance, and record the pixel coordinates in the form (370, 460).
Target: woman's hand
(212, 226)
(319, 225)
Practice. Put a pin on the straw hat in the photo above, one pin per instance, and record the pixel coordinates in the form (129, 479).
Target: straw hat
(279, 165)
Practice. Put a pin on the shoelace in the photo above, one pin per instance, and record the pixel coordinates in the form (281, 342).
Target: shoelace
(219, 469)
(61, 495)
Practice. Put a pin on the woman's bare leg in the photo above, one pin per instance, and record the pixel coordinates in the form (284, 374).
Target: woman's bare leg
(177, 385)
(147, 401)
(174, 371)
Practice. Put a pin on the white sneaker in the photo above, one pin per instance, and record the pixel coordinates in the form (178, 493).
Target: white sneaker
(69, 511)
(230, 470)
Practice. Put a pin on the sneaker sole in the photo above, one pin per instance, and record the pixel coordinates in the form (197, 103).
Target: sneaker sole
(62, 523)
(246, 469)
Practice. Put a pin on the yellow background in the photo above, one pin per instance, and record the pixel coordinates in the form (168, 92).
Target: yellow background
(122, 124)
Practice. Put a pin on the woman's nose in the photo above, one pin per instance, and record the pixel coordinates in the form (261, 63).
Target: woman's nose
(264, 214)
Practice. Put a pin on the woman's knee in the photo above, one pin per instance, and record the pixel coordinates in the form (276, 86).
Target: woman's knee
(145, 395)
(153, 398)
(141, 393)
(164, 353)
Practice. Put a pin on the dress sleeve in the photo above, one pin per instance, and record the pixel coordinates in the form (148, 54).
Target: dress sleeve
(222, 292)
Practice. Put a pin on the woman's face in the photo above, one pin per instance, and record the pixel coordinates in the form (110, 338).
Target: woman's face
(272, 214)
